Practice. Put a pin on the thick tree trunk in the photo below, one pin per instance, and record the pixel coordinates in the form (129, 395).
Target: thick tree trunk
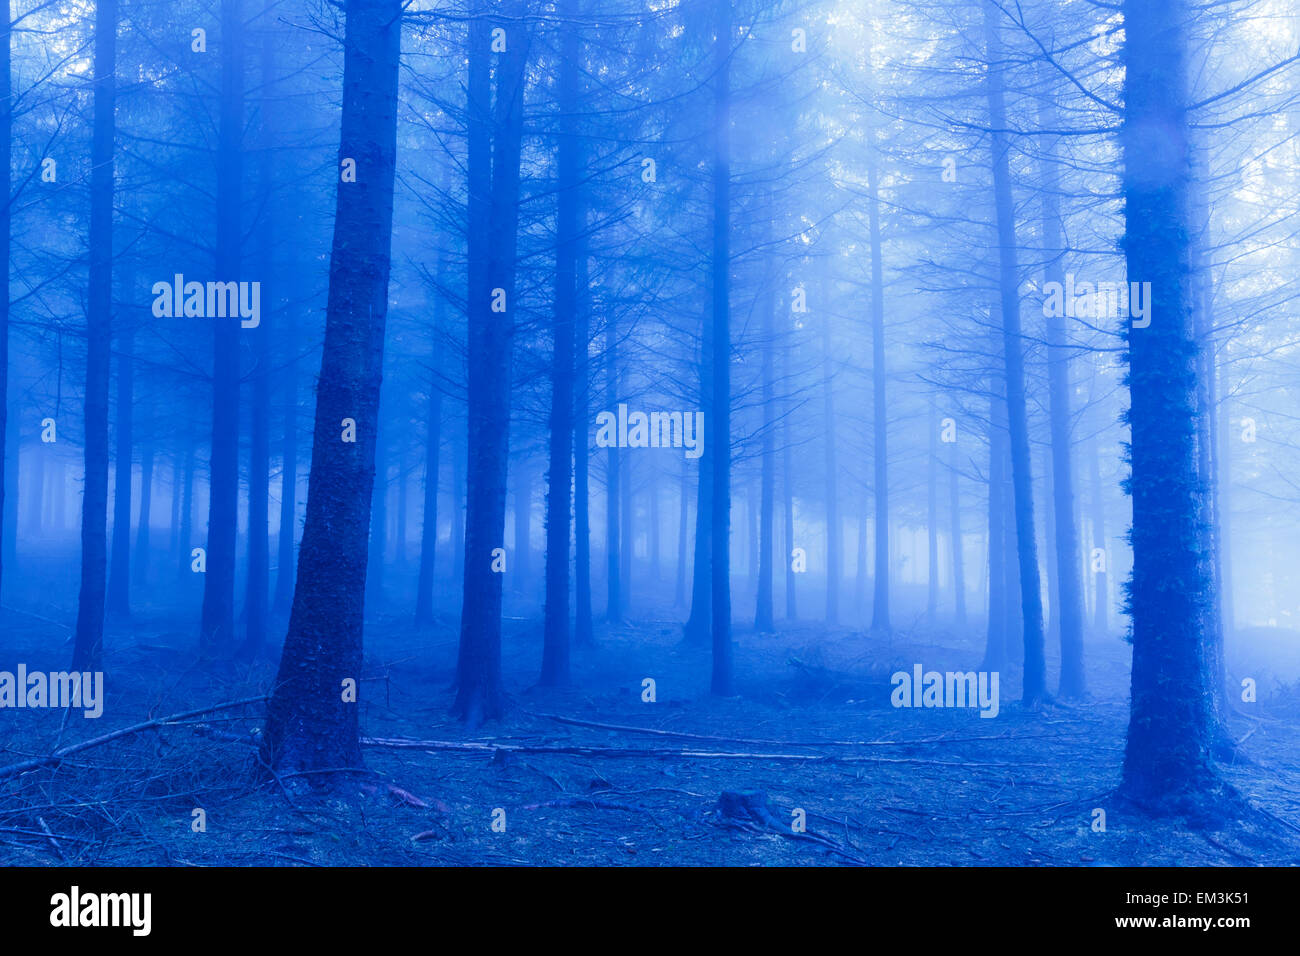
(1167, 763)
(312, 719)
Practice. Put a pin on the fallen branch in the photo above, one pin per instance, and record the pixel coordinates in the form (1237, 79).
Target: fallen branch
(33, 763)
(757, 742)
(472, 747)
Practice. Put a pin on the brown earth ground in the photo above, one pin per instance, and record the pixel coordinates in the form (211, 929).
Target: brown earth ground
(812, 728)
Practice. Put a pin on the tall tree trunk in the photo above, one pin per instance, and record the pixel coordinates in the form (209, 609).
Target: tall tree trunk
(1031, 599)
(767, 453)
(257, 592)
(378, 548)
(119, 573)
(1068, 606)
(424, 603)
(458, 502)
(683, 525)
(625, 540)
(932, 519)
(582, 616)
(216, 631)
(522, 570)
(722, 683)
(568, 218)
(834, 544)
(995, 652)
(146, 508)
(879, 407)
(479, 692)
(288, 533)
(311, 721)
(613, 487)
(88, 647)
(184, 567)
(8, 446)
(958, 564)
(1167, 763)
(787, 504)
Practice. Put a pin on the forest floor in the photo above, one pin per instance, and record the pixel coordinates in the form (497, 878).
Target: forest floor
(812, 728)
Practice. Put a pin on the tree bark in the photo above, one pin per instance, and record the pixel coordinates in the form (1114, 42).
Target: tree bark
(311, 724)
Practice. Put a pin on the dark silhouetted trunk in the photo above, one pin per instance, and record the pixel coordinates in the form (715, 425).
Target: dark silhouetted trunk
(569, 217)
(88, 647)
(216, 631)
(1167, 763)
(719, 416)
(119, 572)
(312, 719)
(494, 204)
(1031, 598)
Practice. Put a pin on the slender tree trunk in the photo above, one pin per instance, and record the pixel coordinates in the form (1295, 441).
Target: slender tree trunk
(184, 568)
(312, 721)
(1070, 612)
(834, 544)
(1031, 599)
(995, 653)
(257, 596)
(8, 446)
(613, 487)
(683, 525)
(378, 549)
(582, 617)
(569, 217)
(146, 509)
(787, 509)
(88, 647)
(119, 574)
(879, 406)
(720, 405)
(958, 564)
(479, 692)
(287, 539)
(932, 520)
(698, 626)
(767, 454)
(424, 602)
(216, 632)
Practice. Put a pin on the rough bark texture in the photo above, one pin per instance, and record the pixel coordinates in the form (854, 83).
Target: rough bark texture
(310, 725)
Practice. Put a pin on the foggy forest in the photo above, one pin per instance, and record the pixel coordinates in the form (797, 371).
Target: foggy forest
(684, 432)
